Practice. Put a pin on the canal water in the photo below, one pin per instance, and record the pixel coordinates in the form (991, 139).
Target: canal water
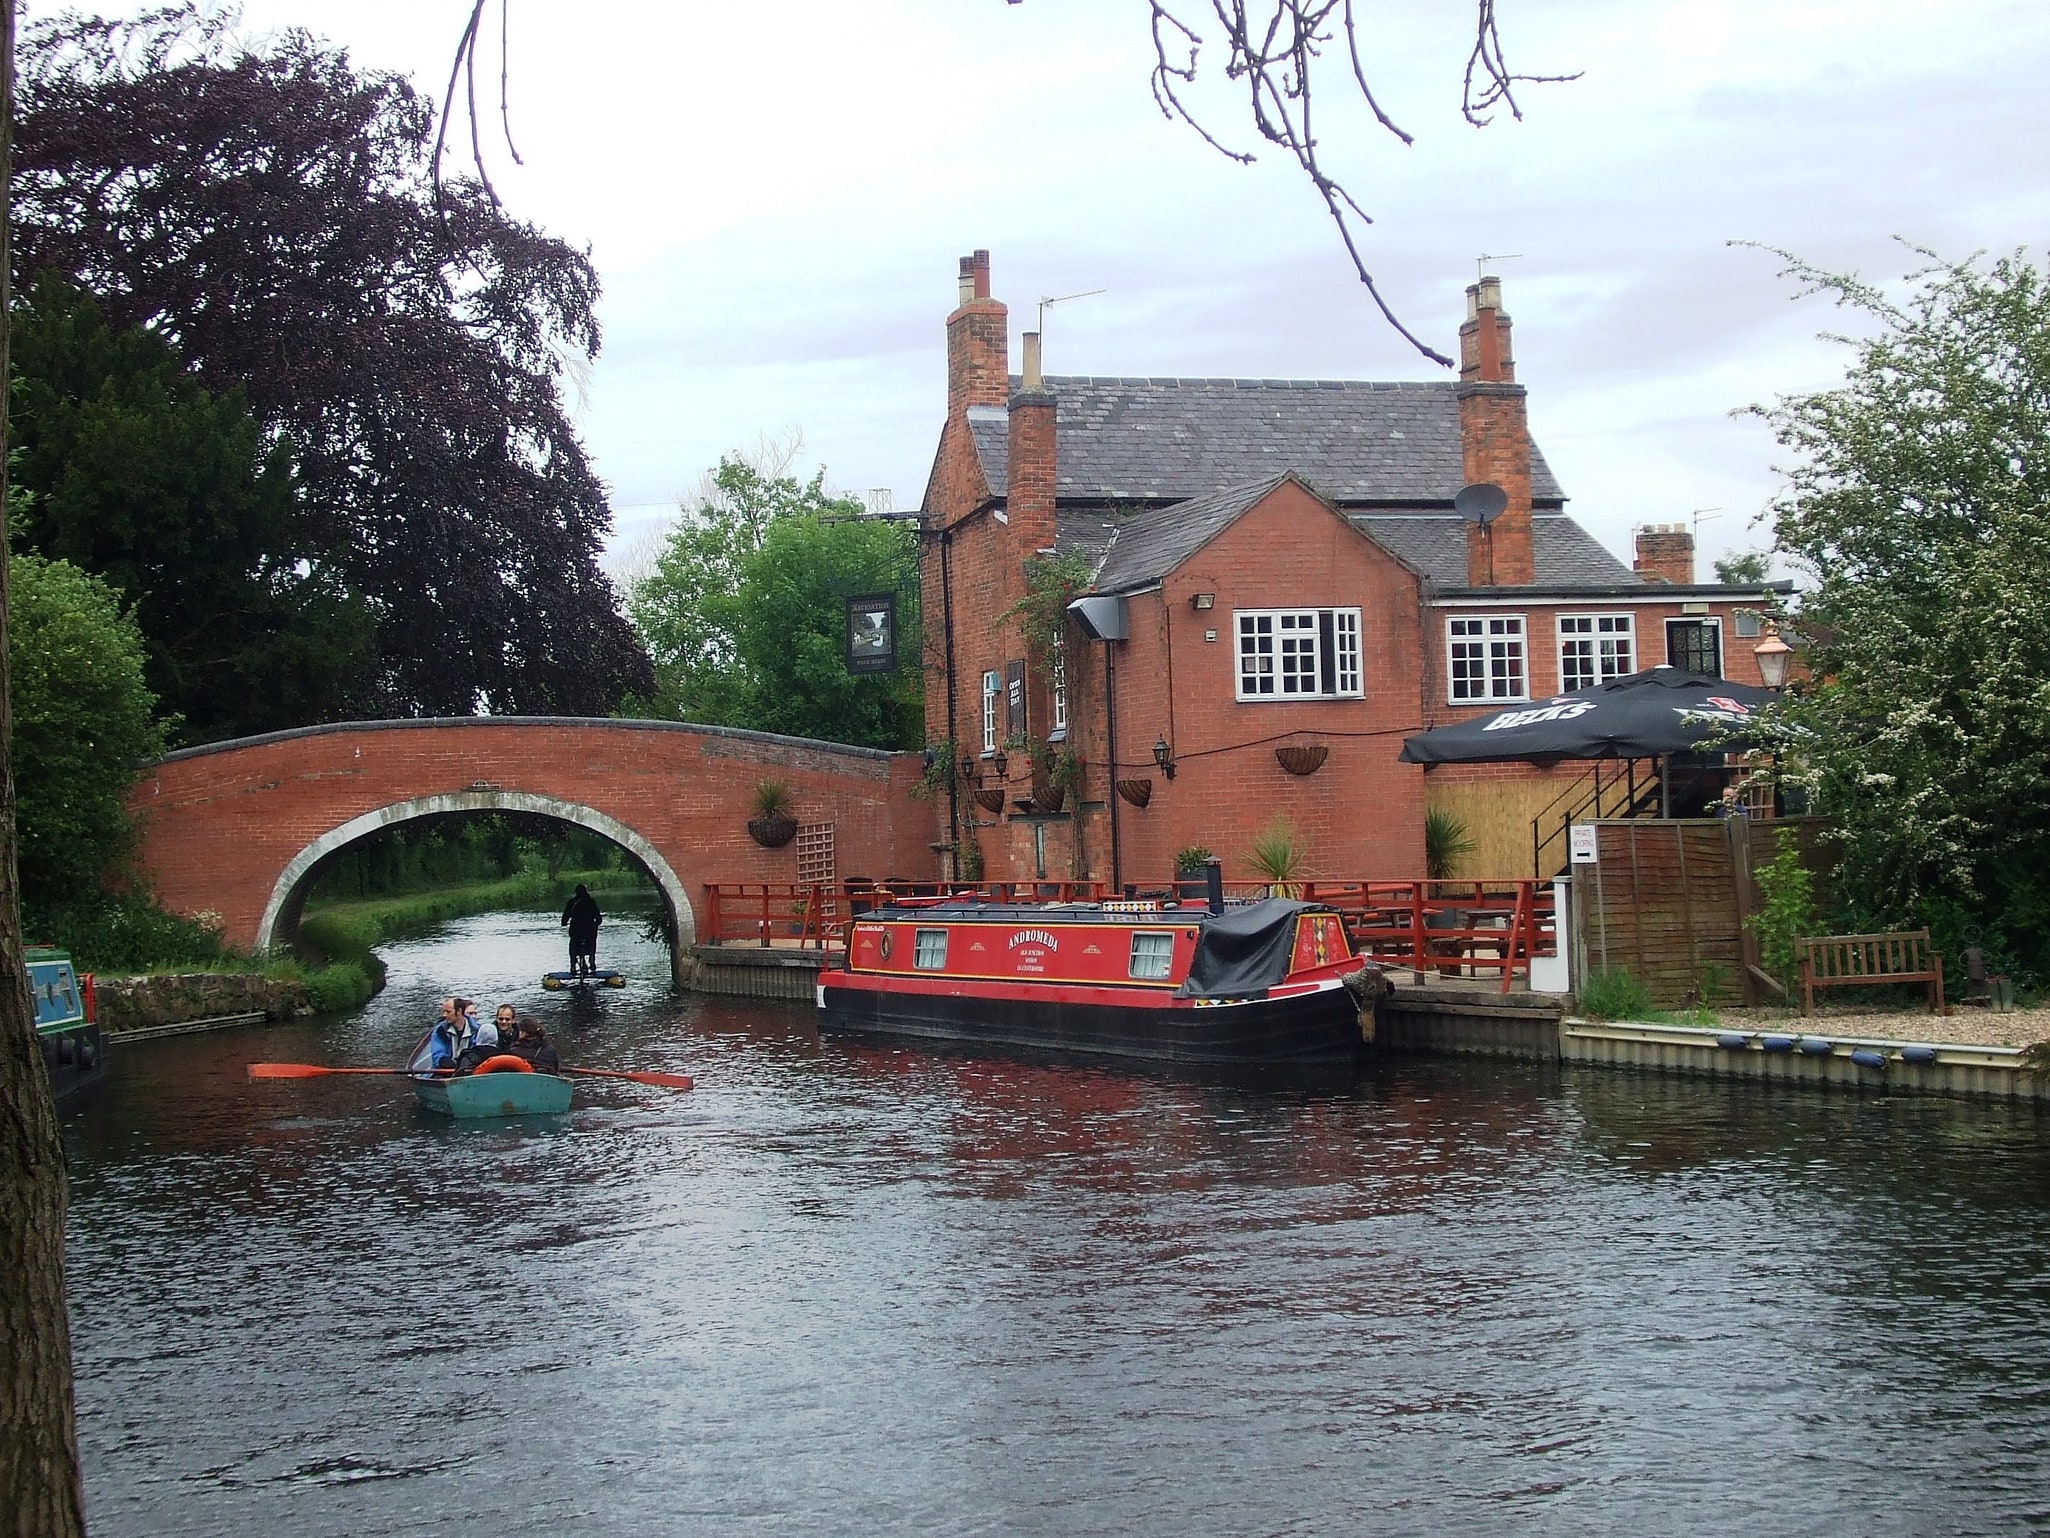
(841, 1289)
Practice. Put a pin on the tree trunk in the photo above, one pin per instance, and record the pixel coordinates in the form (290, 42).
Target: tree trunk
(40, 1490)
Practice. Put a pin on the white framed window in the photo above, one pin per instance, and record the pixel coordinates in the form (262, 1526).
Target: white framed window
(929, 951)
(1594, 648)
(1487, 659)
(1152, 955)
(992, 691)
(1295, 654)
(1057, 677)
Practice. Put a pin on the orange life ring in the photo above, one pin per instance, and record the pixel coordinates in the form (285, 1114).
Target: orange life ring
(505, 1062)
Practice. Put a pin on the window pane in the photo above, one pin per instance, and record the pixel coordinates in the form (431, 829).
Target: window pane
(1256, 655)
(991, 683)
(1346, 678)
(931, 951)
(1695, 646)
(1152, 955)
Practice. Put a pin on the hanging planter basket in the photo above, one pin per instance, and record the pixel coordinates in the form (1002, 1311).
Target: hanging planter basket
(1302, 757)
(990, 798)
(1138, 792)
(772, 832)
(1049, 798)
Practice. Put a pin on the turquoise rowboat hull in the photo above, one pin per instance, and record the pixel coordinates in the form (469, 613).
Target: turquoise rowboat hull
(495, 1094)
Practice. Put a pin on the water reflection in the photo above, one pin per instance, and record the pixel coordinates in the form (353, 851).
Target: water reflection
(850, 1289)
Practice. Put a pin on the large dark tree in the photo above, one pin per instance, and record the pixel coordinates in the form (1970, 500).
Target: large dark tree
(136, 472)
(268, 212)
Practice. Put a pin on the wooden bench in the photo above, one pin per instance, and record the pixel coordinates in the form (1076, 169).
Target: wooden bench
(1837, 961)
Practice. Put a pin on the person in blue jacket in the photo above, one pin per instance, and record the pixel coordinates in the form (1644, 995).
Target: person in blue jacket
(459, 1040)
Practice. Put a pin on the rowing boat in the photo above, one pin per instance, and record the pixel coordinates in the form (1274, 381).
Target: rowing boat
(477, 1095)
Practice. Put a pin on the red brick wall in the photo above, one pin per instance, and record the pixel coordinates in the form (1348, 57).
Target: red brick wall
(220, 826)
(1362, 812)
(1494, 436)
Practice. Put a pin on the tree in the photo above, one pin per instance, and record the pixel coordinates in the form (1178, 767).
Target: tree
(1919, 508)
(1746, 568)
(744, 610)
(83, 721)
(140, 475)
(269, 213)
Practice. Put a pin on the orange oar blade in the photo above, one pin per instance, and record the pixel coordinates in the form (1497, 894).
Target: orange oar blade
(287, 1071)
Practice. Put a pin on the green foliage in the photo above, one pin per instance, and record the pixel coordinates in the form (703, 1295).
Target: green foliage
(468, 849)
(942, 770)
(1918, 506)
(1279, 851)
(745, 612)
(771, 799)
(125, 932)
(1746, 568)
(1052, 582)
(968, 858)
(1446, 842)
(1786, 910)
(171, 495)
(1615, 995)
(1190, 861)
(82, 728)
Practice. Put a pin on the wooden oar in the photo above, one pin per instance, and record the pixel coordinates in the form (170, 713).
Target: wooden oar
(659, 1080)
(314, 1071)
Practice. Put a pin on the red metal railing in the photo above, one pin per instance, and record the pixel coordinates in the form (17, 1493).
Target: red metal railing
(811, 913)
(1455, 928)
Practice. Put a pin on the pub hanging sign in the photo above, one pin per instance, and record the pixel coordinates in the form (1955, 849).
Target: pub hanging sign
(872, 633)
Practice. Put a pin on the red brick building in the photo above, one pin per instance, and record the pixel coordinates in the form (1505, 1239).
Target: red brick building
(1284, 570)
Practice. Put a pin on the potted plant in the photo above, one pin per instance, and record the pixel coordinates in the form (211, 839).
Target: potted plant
(1189, 880)
(1279, 854)
(772, 826)
(1447, 841)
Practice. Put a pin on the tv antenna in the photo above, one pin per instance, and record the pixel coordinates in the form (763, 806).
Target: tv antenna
(1046, 302)
(1480, 263)
(1702, 515)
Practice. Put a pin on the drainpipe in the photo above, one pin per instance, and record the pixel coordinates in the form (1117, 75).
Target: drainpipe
(954, 745)
(1110, 754)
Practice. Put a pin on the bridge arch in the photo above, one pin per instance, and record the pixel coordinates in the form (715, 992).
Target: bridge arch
(290, 890)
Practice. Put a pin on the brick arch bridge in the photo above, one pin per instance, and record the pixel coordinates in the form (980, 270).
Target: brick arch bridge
(241, 828)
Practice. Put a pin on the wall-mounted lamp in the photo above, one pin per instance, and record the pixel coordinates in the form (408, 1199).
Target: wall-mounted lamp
(1163, 755)
(1773, 655)
(1204, 601)
(1001, 762)
(971, 771)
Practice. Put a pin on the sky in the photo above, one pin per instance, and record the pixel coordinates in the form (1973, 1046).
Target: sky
(776, 196)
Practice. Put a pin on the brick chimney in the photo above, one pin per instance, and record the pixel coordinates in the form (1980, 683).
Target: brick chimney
(1494, 438)
(1029, 498)
(978, 343)
(1665, 553)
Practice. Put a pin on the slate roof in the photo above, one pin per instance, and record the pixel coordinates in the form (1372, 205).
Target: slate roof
(1567, 555)
(1166, 440)
(1151, 544)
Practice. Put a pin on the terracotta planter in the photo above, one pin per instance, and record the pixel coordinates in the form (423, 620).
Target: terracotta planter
(1302, 757)
(772, 832)
(1138, 792)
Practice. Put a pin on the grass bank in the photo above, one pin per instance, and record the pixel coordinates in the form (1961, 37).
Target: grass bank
(343, 936)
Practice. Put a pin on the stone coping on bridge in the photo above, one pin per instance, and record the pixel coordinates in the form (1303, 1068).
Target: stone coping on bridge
(615, 723)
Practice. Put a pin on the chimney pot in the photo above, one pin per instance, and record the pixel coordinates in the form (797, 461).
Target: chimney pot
(1033, 379)
(979, 264)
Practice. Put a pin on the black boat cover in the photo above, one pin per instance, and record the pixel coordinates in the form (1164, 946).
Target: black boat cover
(1243, 952)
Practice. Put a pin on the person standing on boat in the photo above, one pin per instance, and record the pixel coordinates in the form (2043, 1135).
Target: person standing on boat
(582, 918)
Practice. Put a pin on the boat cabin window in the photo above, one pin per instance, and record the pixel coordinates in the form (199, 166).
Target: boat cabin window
(1152, 955)
(930, 953)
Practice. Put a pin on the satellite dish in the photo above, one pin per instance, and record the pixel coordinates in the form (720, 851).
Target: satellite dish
(1482, 502)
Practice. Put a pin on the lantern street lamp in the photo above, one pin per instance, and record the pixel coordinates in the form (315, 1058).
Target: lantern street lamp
(1163, 755)
(1001, 762)
(1773, 655)
(971, 771)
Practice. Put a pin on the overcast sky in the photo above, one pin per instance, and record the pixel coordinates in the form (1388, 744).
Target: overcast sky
(776, 196)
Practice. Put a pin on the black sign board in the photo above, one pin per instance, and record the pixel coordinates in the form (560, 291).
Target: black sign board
(872, 633)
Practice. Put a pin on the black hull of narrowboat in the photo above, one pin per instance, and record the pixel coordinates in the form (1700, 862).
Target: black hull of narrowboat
(76, 1061)
(1304, 1030)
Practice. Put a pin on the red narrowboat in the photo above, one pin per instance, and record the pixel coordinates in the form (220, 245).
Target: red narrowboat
(1273, 982)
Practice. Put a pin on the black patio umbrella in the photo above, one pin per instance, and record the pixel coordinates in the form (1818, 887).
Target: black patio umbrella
(1647, 715)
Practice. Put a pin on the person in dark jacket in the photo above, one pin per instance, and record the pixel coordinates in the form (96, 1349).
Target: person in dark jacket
(533, 1044)
(582, 918)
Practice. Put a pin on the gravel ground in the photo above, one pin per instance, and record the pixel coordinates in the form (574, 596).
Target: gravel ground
(1966, 1025)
